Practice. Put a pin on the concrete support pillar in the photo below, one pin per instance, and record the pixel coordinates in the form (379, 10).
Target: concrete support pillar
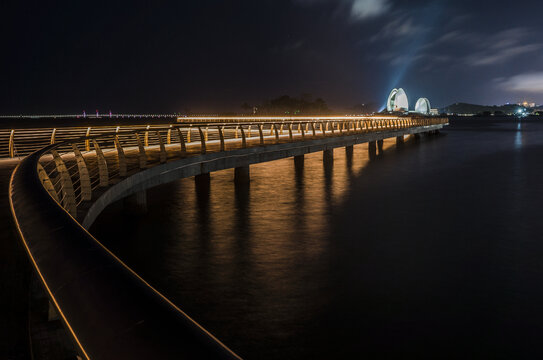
(328, 157)
(399, 141)
(416, 137)
(372, 149)
(349, 150)
(380, 146)
(242, 175)
(202, 181)
(137, 202)
(202, 186)
(299, 162)
(141, 199)
(299, 169)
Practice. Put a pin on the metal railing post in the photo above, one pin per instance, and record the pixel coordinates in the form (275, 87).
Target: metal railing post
(290, 131)
(221, 137)
(87, 142)
(261, 134)
(274, 125)
(67, 188)
(182, 142)
(53, 136)
(120, 156)
(141, 155)
(146, 136)
(243, 139)
(102, 164)
(11, 145)
(47, 184)
(163, 154)
(116, 132)
(202, 141)
(84, 178)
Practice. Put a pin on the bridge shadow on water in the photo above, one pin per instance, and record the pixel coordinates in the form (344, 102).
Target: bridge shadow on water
(429, 250)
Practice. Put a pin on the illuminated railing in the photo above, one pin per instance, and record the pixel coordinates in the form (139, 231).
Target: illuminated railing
(237, 119)
(108, 309)
(22, 142)
(73, 171)
(87, 116)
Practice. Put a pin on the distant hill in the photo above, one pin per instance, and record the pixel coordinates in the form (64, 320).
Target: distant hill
(464, 108)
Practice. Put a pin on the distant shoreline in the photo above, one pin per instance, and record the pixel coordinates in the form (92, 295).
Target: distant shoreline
(23, 123)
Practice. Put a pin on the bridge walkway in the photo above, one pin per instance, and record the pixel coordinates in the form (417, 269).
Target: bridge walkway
(58, 191)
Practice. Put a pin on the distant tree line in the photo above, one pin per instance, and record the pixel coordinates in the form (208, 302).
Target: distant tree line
(363, 109)
(482, 110)
(292, 106)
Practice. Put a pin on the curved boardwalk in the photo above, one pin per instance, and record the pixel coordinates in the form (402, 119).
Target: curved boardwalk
(90, 288)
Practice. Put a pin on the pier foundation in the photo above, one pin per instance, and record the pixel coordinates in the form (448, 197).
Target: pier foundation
(349, 150)
(242, 175)
(380, 146)
(328, 157)
(400, 141)
(299, 162)
(137, 202)
(202, 181)
(372, 149)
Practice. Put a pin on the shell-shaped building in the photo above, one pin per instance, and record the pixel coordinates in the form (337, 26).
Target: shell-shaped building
(397, 101)
(423, 106)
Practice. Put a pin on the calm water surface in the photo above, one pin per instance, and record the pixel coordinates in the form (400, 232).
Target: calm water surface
(432, 250)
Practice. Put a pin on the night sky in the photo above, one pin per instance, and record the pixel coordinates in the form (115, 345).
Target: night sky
(206, 56)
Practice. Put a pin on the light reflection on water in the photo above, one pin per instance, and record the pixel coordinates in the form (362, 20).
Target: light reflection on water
(249, 259)
(518, 136)
(267, 241)
(431, 247)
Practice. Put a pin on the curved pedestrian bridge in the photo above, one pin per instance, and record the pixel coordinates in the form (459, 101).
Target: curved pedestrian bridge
(59, 190)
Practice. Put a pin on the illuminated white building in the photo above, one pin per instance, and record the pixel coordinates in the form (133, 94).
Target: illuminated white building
(423, 106)
(397, 101)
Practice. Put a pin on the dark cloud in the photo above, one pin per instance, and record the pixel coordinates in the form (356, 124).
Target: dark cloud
(212, 55)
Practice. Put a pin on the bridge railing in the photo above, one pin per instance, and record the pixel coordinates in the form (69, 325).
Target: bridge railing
(75, 171)
(22, 142)
(246, 119)
(108, 309)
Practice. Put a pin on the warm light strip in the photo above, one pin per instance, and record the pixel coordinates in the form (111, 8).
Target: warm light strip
(282, 118)
(104, 115)
(44, 282)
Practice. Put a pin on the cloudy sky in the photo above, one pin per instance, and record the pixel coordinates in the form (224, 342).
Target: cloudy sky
(150, 56)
